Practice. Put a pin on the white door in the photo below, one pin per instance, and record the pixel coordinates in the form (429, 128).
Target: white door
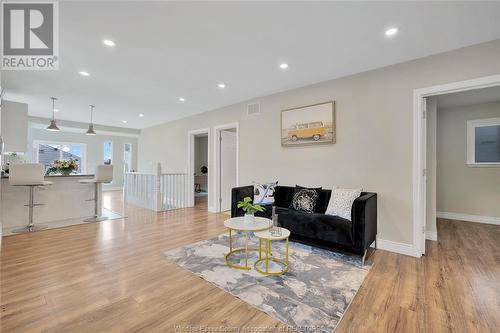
(227, 170)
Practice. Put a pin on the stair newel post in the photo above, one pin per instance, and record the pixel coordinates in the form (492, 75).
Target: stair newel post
(158, 203)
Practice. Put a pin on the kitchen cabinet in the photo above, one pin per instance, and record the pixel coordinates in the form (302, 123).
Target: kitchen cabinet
(14, 129)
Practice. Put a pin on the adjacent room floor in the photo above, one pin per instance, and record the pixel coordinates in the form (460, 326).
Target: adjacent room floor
(112, 277)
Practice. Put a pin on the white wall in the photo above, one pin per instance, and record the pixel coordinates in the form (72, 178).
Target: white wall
(95, 146)
(460, 188)
(374, 133)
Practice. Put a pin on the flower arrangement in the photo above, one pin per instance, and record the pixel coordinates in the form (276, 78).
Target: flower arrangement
(64, 167)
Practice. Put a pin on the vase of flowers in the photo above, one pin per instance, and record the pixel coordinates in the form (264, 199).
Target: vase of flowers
(64, 167)
(250, 209)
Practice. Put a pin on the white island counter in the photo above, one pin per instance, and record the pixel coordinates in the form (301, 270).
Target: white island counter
(64, 200)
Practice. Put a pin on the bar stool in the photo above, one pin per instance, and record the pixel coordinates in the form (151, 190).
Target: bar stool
(31, 175)
(103, 174)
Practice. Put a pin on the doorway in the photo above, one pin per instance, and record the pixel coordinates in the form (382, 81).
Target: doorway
(420, 149)
(226, 164)
(198, 166)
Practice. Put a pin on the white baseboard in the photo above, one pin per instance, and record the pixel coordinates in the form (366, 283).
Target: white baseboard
(401, 248)
(469, 218)
(105, 189)
(431, 235)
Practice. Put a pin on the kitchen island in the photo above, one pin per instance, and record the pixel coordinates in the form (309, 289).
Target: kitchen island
(64, 200)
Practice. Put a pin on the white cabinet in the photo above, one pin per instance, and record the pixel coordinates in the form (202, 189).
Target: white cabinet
(14, 127)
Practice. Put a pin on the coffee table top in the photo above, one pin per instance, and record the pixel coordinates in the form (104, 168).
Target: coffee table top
(266, 234)
(239, 224)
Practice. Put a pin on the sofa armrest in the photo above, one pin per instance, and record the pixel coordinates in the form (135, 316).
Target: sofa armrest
(237, 194)
(364, 218)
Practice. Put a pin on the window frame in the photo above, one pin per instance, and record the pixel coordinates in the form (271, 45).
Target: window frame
(471, 141)
(37, 143)
(104, 151)
(131, 156)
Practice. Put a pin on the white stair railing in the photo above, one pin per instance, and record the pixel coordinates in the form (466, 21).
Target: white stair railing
(158, 192)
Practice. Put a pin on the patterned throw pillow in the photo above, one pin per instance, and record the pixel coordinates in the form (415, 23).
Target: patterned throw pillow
(341, 201)
(305, 199)
(264, 193)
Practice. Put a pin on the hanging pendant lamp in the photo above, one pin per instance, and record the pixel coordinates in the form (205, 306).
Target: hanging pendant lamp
(53, 126)
(91, 131)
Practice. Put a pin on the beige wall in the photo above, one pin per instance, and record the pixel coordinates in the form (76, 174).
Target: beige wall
(460, 188)
(374, 133)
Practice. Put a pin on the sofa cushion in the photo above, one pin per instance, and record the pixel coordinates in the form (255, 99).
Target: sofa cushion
(264, 193)
(328, 228)
(305, 199)
(341, 202)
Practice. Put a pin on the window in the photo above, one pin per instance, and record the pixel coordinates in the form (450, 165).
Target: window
(127, 157)
(108, 152)
(47, 152)
(483, 142)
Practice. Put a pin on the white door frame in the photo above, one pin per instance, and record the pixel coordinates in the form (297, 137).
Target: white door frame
(191, 149)
(420, 148)
(217, 130)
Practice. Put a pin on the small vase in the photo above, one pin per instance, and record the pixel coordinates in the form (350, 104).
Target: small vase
(249, 218)
(65, 172)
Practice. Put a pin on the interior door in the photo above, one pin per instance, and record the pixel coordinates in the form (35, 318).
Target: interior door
(227, 170)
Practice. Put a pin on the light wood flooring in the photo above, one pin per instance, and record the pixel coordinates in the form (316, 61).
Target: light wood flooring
(112, 277)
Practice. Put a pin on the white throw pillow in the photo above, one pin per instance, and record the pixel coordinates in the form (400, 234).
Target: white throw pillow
(341, 201)
(264, 193)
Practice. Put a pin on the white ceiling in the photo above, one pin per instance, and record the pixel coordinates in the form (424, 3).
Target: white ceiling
(165, 50)
(469, 97)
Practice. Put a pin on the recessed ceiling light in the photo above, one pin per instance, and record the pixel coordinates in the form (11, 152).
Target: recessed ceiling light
(124, 121)
(56, 110)
(284, 66)
(182, 99)
(391, 31)
(141, 115)
(222, 85)
(108, 42)
(83, 73)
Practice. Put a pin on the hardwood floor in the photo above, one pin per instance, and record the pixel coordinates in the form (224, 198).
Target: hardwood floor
(112, 277)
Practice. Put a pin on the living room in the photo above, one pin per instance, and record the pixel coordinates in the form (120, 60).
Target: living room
(269, 169)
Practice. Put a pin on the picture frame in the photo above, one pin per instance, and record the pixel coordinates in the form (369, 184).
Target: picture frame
(308, 125)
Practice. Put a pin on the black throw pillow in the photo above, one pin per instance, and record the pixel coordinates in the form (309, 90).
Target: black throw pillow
(305, 199)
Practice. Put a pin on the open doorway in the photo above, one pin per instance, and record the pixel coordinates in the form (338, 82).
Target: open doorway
(226, 164)
(463, 160)
(198, 165)
(424, 158)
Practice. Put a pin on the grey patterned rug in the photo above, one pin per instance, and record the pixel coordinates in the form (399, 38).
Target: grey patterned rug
(311, 297)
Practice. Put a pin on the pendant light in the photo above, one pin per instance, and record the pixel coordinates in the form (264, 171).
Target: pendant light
(53, 126)
(91, 131)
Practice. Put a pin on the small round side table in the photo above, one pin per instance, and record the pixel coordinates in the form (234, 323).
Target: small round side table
(267, 237)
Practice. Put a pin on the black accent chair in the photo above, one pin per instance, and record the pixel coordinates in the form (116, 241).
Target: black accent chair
(319, 229)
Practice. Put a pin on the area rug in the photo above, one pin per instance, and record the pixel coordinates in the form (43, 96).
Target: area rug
(311, 297)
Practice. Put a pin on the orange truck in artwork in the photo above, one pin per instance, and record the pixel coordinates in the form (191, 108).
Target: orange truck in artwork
(314, 130)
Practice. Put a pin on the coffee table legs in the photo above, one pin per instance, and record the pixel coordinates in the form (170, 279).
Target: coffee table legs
(269, 258)
(244, 249)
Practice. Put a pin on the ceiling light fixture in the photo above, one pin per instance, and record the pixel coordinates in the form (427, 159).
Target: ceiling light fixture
(124, 121)
(391, 31)
(284, 66)
(83, 73)
(53, 126)
(141, 115)
(222, 85)
(182, 99)
(56, 110)
(91, 131)
(108, 42)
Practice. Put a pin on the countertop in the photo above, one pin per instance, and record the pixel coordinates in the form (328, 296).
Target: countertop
(62, 176)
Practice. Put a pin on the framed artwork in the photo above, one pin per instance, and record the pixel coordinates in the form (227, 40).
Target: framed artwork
(308, 125)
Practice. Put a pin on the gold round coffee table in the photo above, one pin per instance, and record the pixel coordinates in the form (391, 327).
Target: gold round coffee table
(240, 224)
(268, 237)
